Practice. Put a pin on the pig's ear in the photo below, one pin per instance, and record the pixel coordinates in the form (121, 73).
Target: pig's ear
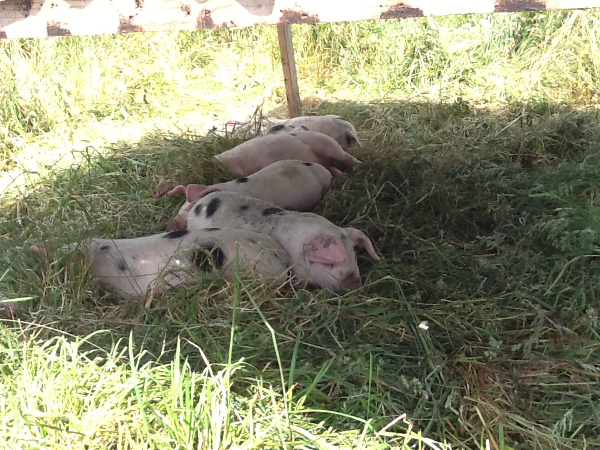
(361, 238)
(351, 139)
(325, 249)
(178, 223)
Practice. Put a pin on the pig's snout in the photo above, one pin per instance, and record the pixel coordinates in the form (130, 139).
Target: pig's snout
(351, 281)
(158, 192)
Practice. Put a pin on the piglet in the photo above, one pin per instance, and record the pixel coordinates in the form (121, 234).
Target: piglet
(338, 128)
(322, 253)
(289, 184)
(129, 267)
(308, 146)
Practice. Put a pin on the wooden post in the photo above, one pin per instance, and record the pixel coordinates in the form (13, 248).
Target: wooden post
(286, 47)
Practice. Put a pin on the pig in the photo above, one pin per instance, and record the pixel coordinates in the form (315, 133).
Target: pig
(321, 253)
(334, 126)
(289, 184)
(130, 267)
(308, 146)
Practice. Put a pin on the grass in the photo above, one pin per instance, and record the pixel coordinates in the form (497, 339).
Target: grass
(479, 329)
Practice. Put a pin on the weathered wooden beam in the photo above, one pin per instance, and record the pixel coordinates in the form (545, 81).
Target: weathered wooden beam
(36, 18)
(288, 61)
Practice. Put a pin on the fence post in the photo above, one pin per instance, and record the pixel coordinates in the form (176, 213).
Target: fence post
(286, 47)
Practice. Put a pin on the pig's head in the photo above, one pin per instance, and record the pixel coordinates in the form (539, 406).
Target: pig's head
(327, 150)
(192, 192)
(330, 260)
(350, 137)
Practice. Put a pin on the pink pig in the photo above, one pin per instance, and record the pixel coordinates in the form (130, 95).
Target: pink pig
(309, 146)
(290, 184)
(341, 130)
(130, 267)
(322, 253)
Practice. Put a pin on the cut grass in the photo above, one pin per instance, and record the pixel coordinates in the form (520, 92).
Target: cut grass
(479, 329)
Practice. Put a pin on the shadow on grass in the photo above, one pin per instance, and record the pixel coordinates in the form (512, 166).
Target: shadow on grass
(487, 292)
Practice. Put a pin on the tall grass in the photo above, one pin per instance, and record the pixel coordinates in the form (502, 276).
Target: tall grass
(479, 328)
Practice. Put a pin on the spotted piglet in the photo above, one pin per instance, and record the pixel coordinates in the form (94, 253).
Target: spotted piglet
(338, 128)
(130, 267)
(321, 253)
(308, 146)
(289, 184)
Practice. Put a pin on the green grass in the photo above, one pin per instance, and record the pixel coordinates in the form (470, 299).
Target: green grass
(479, 328)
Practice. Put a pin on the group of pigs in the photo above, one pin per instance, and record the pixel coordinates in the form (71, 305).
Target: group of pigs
(256, 224)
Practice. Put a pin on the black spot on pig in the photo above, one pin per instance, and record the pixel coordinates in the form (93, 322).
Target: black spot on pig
(175, 234)
(198, 209)
(212, 229)
(105, 248)
(277, 127)
(242, 180)
(244, 208)
(203, 257)
(308, 164)
(293, 134)
(212, 207)
(122, 266)
(272, 210)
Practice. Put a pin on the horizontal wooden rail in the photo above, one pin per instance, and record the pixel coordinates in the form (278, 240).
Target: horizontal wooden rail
(38, 18)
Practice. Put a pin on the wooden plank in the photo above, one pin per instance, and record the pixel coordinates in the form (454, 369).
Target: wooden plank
(288, 61)
(34, 18)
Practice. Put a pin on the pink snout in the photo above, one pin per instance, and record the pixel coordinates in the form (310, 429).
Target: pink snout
(351, 281)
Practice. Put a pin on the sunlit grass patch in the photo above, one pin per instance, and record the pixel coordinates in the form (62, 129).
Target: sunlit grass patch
(479, 327)
(67, 389)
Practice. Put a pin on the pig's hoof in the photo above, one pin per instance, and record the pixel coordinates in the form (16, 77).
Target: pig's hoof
(39, 251)
(177, 224)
